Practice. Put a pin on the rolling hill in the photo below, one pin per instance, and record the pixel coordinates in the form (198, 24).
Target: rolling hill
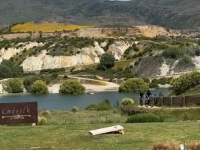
(177, 14)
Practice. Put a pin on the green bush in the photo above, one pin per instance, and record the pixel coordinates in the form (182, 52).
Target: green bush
(71, 87)
(74, 109)
(103, 106)
(9, 70)
(14, 86)
(133, 85)
(139, 118)
(42, 120)
(28, 81)
(127, 101)
(185, 82)
(39, 87)
(173, 53)
(45, 113)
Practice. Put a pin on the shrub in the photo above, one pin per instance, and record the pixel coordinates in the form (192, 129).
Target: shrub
(185, 82)
(131, 109)
(45, 113)
(133, 85)
(71, 87)
(74, 109)
(103, 106)
(127, 101)
(138, 118)
(165, 146)
(28, 81)
(14, 86)
(42, 120)
(39, 87)
(8, 69)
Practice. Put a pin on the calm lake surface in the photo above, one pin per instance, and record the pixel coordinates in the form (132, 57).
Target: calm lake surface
(61, 102)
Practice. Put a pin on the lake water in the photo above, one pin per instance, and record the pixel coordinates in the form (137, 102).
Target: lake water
(61, 102)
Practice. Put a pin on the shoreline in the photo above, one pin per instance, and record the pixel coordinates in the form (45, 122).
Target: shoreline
(89, 88)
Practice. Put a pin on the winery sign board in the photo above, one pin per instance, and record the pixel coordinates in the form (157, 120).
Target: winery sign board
(18, 113)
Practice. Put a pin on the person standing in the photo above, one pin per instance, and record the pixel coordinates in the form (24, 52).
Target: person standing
(148, 97)
(141, 98)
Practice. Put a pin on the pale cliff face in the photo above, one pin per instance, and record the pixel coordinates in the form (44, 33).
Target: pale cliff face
(118, 48)
(10, 52)
(44, 61)
(88, 55)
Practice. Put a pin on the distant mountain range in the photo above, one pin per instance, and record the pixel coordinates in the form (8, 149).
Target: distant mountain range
(176, 14)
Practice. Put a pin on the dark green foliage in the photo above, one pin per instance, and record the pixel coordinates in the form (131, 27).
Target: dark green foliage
(173, 53)
(71, 87)
(139, 118)
(55, 70)
(29, 80)
(133, 85)
(14, 86)
(107, 61)
(39, 87)
(102, 106)
(154, 83)
(5, 72)
(9, 70)
(185, 61)
(185, 82)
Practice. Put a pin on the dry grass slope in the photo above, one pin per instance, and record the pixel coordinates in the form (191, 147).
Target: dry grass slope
(45, 27)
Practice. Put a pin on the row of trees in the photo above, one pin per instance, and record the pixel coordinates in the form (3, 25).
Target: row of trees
(36, 86)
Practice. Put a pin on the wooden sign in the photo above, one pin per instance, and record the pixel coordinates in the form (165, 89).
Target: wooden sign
(18, 113)
(117, 128)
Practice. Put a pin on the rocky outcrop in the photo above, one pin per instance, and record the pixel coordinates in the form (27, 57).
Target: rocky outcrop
(43, 61)
(118, 48)
(12, 51)
(88, 55)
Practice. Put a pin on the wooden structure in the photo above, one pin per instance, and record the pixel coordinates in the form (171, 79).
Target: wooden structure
(112, 129)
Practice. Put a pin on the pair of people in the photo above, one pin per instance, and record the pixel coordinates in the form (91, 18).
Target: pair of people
(145, 99)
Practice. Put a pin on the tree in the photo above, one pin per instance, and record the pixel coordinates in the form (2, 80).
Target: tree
(185, 82)
(14, 86)
(8, 69)
(39, 87)
(28, 81)
(71, 87)
(107, 61)
(5, 72)
(134, 85)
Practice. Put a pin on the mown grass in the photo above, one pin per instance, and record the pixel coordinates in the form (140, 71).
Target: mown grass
(45, 27)
(70, 130)
(141, 136)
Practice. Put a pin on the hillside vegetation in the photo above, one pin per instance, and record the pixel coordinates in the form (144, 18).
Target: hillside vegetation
(44, 27)
(177, 14)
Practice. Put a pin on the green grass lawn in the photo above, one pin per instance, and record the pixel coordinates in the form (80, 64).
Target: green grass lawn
(75, 136)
